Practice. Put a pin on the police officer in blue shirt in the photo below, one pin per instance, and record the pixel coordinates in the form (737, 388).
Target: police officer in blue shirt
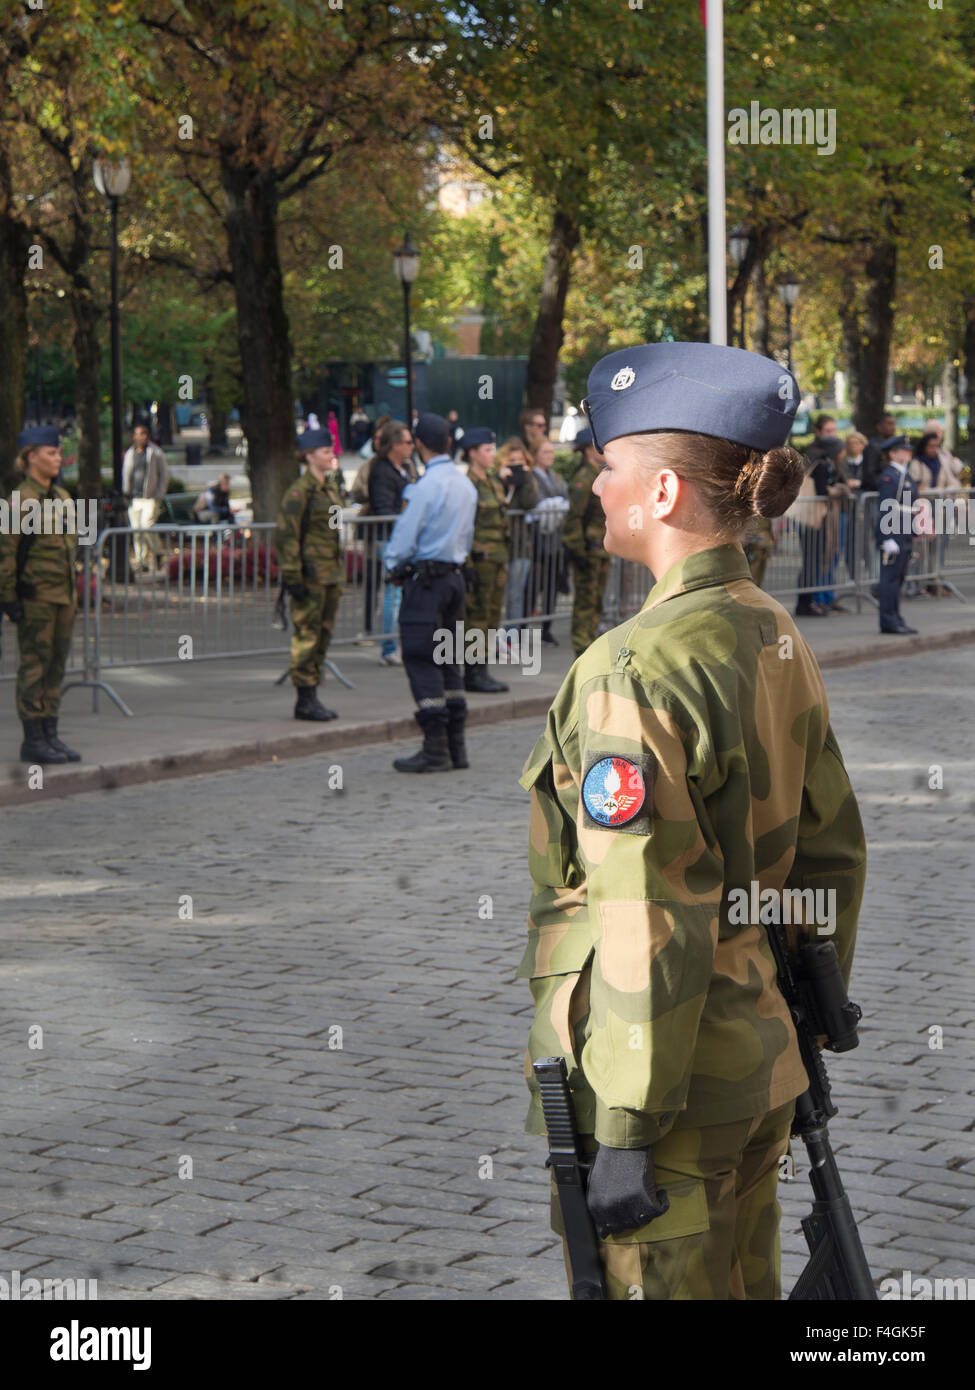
(426, 552)
(896, 493)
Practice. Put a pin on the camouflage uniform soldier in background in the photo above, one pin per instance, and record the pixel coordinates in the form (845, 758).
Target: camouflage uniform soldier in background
(496, 492)
(310, 561)
(38, 592)
(688, 754)
(582, 535)
(758, 543)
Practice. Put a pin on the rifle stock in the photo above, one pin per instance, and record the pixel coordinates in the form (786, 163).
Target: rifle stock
(571, 1170)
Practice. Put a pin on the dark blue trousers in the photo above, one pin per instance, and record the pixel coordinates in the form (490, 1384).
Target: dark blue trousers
(439, 603)
(889, 589)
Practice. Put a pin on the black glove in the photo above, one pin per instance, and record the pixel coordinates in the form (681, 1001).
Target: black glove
(582, 563)
(297, 591)
(470, 578)
(622, 1192)
(13, 611)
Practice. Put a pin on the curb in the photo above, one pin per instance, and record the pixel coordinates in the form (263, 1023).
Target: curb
(110, 776)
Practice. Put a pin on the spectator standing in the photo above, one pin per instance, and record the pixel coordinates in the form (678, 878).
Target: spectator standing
(145, 478)
(894, 486)
(533, 428)
(456, 431)
(389, 475)
(333, 429)
(514, 470)
(546, 534)
(583, 533)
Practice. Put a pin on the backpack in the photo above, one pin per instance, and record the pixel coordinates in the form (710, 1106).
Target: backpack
(359, 492)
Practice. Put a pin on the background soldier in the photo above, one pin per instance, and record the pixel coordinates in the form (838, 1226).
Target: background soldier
(310, 561)
(427, 550)
(582, 534)
(38, 592)
(497, 490)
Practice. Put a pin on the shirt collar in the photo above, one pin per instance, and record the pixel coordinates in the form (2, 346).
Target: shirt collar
(439, 458)
(721, 564)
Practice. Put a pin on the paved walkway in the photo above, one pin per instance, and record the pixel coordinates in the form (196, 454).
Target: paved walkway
(226, 713)
(312, 1084)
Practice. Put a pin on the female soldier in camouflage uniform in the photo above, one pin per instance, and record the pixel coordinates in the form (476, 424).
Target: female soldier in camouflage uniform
(310, 560)
(38, 592)
(688, 754)
(496, 492)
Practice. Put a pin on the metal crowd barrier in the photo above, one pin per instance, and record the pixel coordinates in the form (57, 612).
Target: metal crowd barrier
(203, 592)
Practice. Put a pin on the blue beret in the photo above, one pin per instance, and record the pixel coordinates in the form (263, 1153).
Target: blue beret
(39, 437)
(315, 439)
(471, 439)
(701, 387)
(899, 441)
(583, 439)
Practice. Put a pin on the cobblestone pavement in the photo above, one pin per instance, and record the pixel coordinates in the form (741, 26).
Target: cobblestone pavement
(313, 1084)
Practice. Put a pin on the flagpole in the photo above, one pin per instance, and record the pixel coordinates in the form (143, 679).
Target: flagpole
(717, 274)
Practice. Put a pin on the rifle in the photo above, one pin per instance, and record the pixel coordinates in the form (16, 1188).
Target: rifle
(571, 1169)
(814, 991)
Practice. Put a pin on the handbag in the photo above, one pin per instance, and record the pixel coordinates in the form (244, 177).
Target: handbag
(809, 509)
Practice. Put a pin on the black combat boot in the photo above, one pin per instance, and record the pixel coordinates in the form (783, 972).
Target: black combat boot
(456, 719)
(51, 734)
(477, 679)
(35, 747)
(308, 705)
(434, 756)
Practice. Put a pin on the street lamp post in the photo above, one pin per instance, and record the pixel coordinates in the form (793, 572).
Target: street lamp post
(406, 263)
(738, 239)
(788, 293)
(112, 180)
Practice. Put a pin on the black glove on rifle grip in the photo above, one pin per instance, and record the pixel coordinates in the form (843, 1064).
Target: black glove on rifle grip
(622, 1193)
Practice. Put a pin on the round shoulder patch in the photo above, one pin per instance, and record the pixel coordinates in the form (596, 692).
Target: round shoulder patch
(614, 791)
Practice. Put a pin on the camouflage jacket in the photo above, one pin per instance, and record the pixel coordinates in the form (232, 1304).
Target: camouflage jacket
(319, 559)
(585, 526)
(492, 526)
(49, 567)
(688, 754)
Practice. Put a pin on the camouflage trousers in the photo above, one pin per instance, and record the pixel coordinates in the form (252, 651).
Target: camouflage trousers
(314, 622)
(43, 639)
(588, 585)
(486, 599)
(720, 1238)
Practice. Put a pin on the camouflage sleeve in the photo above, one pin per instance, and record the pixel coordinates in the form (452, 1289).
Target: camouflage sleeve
(287, 537)
(572, 532)
(8, 566)
(654, 877)
(525, 495)
(831, 849)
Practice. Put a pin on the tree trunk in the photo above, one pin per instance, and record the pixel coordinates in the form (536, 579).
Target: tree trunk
(87, 361)
(880, 276)
(251, 221)
(547, 335)
(14, 243)
(164, 422)
(760, 324)
(850, 340)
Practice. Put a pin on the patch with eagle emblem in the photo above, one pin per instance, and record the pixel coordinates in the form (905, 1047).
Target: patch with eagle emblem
(616, 793)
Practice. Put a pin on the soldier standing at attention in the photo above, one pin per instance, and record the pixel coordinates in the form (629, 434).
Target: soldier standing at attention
(689, 753)
(426, 552)
(582, 535)
(38, 592)
(496, 492)
(310, 560)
